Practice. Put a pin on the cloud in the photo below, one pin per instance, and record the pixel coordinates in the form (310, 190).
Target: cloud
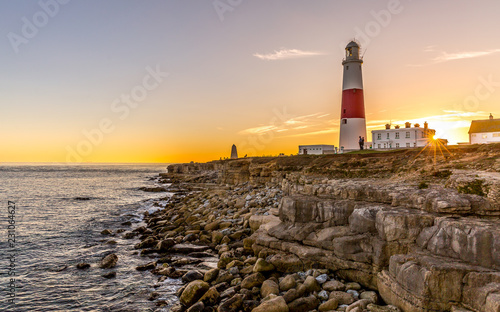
(286, 54)
(259, 130)
(313, 122)
(444, 57)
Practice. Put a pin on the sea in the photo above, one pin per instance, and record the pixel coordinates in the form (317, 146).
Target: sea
(51, 219)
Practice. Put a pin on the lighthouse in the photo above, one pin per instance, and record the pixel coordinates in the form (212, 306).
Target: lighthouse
(352, 115)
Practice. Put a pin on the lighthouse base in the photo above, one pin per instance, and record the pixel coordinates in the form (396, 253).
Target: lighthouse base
(350, 131)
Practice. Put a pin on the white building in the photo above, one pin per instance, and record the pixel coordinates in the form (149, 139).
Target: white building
(316, 149)
(484, 131)
(406, 137)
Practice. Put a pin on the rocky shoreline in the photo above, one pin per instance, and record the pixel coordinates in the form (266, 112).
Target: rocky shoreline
(394, 231)
(218, 222)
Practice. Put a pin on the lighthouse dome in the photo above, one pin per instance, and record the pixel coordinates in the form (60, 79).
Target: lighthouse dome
(352, 44)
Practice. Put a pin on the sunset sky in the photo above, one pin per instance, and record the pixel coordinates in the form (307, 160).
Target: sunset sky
(183, 80)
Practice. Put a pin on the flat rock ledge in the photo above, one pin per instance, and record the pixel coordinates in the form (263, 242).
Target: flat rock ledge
(423, 250)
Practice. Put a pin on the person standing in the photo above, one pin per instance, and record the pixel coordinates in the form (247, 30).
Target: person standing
(360, 143)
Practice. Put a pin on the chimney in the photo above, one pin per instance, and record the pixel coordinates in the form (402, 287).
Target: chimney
(417, 125)
(407, 125)
(387, 126)
(491, 116)
(426, 126)
(396, 127)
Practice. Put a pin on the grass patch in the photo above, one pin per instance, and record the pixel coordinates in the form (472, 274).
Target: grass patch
(475, 187)
(442, 174)
(423, 185)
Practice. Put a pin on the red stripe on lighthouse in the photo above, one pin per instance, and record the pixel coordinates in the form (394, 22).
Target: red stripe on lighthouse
(353, 105)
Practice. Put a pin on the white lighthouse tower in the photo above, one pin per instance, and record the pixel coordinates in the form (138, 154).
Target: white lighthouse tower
(352, 116)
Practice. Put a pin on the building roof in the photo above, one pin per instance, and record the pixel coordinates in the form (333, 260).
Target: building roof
(486, 125)
(317, 145)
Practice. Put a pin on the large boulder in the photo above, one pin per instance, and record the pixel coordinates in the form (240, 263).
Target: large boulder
(210, 297)
(165, 244)
(329, 305)
(269, 287)
(288, 282)
(262, 266)
(253, 280)
(303, 304)
(232, 304)
(193, 292)
(277, 304)
(192, 275)
(312, 284)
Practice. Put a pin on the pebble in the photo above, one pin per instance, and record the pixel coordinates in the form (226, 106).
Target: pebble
(322, 278)
(354, 293)
(323, 295)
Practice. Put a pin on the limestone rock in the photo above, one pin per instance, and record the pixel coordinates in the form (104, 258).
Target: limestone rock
(165, 244)
(360, 304)
(269, 287)
(342, 297)
(109, 261)
(82, 266)
(370, 295)
(197, 307)
(286, 263)
(232, 304)
(255, 279)
(329, 305)
(223, 276)
(192, 276)
(193, 292)
(288, 282)
(311, 284)
(211, 275)
(262, 266)
(303, 304)
(333, 285)
(277, 304)
(210, 297)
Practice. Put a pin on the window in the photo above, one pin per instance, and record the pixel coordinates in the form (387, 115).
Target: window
(485, 136)
(414, 144)
(496, 135)
(407, 144)
(344, 111)
(347, 67)
(397, 135)
(379, 146)
(379, 137)
(388, 135)
(344, 121)
(473, 135)
(397, 145)
(407, 135)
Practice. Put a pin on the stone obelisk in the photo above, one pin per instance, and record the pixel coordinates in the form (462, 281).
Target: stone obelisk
(234, 152)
